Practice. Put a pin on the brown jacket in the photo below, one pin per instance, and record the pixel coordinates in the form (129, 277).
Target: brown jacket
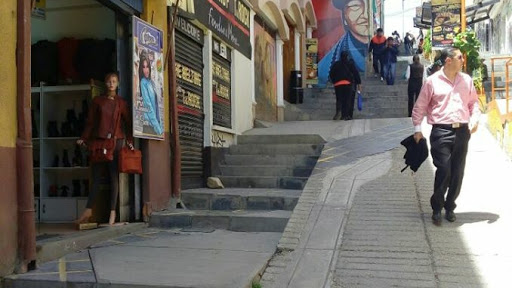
(100, 121)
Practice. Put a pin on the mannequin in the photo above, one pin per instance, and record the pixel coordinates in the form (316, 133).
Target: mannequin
(100, 125)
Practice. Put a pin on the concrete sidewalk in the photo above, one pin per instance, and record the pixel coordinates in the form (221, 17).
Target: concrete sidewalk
(159, 258)
(369, 225)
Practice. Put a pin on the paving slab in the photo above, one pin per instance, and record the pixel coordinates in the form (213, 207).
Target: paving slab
(160, 258)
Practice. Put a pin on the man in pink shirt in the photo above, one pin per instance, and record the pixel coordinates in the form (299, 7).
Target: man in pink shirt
(449, 100)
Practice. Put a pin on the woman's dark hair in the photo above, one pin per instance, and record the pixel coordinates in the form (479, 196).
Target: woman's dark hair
(416, 58)
(344, 57)
(143, 58)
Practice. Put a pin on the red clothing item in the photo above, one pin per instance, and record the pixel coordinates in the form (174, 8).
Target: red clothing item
(67, 49)
(342, 82)
(100, 121)
(446, 102)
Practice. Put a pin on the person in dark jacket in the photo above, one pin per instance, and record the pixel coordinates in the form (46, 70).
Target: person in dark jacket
(377, 46)
(415, 74)
(389, 61)
(343, 74)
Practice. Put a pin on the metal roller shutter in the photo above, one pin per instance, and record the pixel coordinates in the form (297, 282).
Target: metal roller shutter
(222, 91)
(189, 67)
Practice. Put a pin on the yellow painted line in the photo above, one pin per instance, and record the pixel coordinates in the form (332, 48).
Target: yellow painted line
(54, 273)
(325, 159)
(62, 270)
(116, 241)
(80, 260)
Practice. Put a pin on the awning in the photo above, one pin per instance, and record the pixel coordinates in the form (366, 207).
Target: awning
(474, 13)
(480, 11)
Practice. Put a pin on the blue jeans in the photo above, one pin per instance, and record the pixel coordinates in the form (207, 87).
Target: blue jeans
(389, 73)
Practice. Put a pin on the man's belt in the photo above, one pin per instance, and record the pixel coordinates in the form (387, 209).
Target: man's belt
(451, 126)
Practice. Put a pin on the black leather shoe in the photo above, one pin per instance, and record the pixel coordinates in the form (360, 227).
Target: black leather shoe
(436, 218)
(450, 216)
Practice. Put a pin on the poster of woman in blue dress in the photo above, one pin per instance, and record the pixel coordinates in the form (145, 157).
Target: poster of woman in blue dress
(354, 40)
(149, 96)
(148, 81)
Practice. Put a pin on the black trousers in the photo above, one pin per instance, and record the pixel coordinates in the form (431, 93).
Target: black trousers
(449, 147)
(377, 62)
(343, 95)
(352, 103)
(113, 174)
(413, 89)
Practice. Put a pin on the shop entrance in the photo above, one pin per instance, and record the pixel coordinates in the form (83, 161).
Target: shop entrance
(75, 44)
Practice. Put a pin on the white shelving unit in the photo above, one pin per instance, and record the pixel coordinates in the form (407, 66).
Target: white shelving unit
(50, 103)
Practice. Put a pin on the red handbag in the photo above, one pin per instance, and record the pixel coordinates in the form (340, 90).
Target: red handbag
(101, 150)
(130, 161)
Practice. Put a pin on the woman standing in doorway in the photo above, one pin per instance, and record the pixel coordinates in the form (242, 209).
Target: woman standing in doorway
(104, 122)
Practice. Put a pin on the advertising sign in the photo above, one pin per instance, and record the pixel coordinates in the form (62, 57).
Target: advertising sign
(148, 81)
(39, 8)
(312, 61)
(228, 20)
(445, 22)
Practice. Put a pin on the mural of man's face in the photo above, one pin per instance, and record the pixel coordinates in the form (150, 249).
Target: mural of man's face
(356, 18)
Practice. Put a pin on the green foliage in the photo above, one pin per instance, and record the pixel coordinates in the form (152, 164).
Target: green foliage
(427, 44)
(469, 45)
(256, 285)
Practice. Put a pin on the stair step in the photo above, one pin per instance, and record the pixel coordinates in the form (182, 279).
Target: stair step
(281, 182)
(241, 220)
(266, 170)
(276, 149)
(280, 139)
(240, 199)
(295, 159)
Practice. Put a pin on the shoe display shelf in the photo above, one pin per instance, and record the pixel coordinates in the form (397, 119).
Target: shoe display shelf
(61, 172)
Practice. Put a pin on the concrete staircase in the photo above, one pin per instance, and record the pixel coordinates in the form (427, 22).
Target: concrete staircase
(379, 100)
(265, 175)
(233, 209)
(270, 161)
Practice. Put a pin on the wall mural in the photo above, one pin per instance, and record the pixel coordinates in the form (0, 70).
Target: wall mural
(343, 25)
(265, 74)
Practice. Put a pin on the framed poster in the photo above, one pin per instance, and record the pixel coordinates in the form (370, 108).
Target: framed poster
(148, 81)
(312, 61)
(445, 22)
(39, 8)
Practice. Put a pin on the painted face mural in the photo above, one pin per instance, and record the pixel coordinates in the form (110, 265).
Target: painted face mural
(343, 26)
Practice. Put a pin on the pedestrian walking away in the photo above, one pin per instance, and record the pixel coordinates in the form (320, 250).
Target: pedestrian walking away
(449, 100)
(416, 75)
(377, 46)
(344, 74)
(389, 61)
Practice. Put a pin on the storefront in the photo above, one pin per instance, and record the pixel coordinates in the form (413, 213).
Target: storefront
(189, 42)
(71, 54)
(265, 76)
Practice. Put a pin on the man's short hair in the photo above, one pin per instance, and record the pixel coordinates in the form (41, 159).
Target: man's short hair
(448, 52)
(379, 30)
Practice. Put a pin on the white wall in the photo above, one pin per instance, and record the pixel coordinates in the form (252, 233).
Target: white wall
(78, 18)
(242, 89)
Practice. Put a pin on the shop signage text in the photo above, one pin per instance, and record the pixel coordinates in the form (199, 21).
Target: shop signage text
(229, 20)
(190, 29)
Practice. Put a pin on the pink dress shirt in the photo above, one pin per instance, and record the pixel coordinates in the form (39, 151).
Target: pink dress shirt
(446, 102)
